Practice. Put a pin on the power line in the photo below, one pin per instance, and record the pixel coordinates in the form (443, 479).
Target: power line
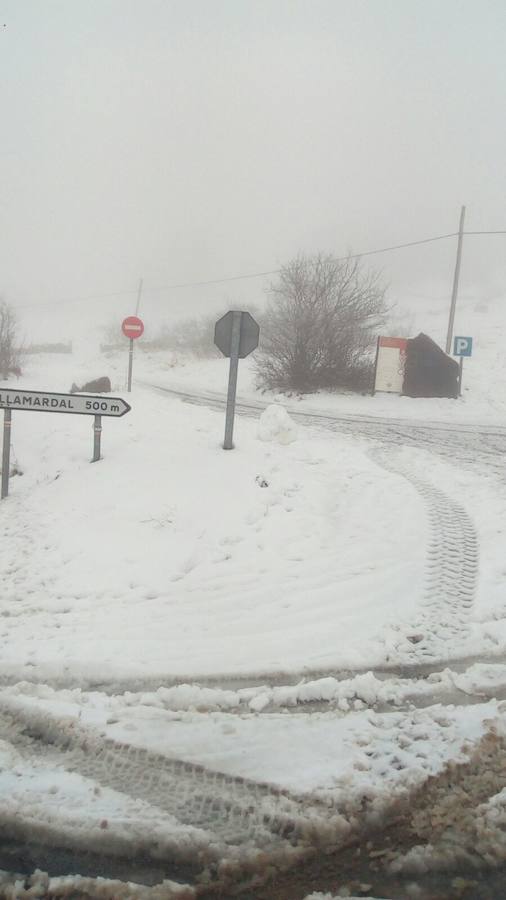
(169, 287)
(250, 275)
(439, 237)
(277, 271)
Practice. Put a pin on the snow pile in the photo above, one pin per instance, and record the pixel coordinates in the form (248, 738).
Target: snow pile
(491, 828)
(365, 689)
(481, 678)
(350, 693)
(40, 885)
(276, 425)
(460, 814)
(338, 897)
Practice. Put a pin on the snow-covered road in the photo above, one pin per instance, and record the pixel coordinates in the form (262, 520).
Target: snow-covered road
(479, 442)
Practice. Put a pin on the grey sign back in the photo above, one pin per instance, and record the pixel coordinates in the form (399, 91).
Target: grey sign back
(250, 332)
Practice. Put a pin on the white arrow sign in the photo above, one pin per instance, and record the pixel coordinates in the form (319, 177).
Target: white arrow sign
(80, 404)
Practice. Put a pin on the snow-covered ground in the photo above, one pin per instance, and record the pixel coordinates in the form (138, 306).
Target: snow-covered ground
(186, 602)
(174, 558)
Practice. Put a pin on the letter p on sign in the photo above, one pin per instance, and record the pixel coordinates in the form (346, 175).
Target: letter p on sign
(462, 346)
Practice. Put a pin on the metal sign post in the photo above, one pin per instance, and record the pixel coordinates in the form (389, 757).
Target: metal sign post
(232, 380)
(6, 452)
(461, 369)
(130, 365)
(132, 327)
(462, 346)
(236, 335)
(97, 434)
(41, 401)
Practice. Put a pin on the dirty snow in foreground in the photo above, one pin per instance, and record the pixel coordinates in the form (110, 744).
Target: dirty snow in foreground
(354, 761)
(40, 884)
(39, 797)
(340, 756)
(334, 897)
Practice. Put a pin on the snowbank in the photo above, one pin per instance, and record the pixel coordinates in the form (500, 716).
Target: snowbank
(276, 425)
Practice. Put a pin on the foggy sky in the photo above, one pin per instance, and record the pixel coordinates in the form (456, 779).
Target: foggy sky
(183, 140)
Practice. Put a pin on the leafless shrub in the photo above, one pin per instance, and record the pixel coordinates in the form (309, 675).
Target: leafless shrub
(320, 326)
(9, 349)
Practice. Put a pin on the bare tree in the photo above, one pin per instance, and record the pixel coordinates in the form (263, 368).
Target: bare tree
(9, 351)
(320, 324)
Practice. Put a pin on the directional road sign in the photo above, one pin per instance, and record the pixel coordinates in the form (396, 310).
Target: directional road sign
(42, 401)
(132, 327)
(249, 334)
(79, 404)
(463, 346)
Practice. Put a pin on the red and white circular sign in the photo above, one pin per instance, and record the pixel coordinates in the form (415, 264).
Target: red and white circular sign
(132, 327)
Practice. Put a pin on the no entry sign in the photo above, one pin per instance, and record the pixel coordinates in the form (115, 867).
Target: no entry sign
(132, 327)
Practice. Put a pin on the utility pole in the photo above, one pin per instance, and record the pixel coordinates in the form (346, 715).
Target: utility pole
(455, 282)
(139, 294)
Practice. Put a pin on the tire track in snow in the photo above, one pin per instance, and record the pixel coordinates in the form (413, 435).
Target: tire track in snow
(472, 445)
(442, 629)
(233, 810)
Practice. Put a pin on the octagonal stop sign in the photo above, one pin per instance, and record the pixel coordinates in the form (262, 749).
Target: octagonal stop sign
(250, 332)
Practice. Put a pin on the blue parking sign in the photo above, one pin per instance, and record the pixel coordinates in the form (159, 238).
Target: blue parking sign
(463, 346)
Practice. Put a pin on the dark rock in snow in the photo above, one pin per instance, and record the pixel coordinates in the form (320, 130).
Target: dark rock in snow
(98, 386)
